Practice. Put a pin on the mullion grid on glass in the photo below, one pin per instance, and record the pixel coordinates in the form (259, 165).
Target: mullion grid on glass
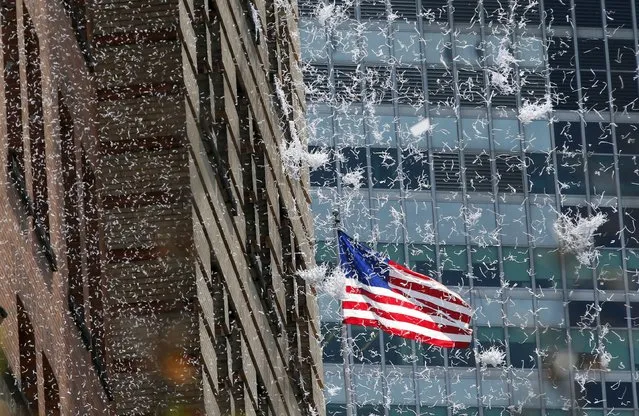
(463, 189)
(621, 230)
(495, 192)
(531, 245)
(624, 250)
(563, 274)
(438, 255)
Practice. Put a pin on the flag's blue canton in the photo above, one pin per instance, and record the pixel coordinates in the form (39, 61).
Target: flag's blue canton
(361, 263)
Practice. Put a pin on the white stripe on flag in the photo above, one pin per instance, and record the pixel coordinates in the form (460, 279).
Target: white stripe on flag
(434, 300)
(405, 326)
(353, 297)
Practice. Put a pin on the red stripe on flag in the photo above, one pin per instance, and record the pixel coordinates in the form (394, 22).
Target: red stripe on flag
(388, 300)
(406, 334)
(457, 315)
(438, 293)
(400, 317)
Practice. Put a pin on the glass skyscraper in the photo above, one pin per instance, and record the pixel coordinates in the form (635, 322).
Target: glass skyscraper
(473, 201)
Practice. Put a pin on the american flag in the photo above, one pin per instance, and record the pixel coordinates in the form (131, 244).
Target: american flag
(383, 294)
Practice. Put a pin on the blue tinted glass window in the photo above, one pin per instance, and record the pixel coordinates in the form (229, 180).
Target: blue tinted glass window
(619, 394)
(629, 175)
(613, 314)
(590, 395)
(581, 312)
(522, 346)
(570, 174)
(485, 266)
(398, 350)
(516, 266)
(366, 344)
(631, 226)
(627, 138)
(326, 174)
(567, 136)
(333, 409)
(384, 165)
(353, 159)
(547, 267)
(540, 173)
(598, 137)
(454, 265)
(331, 342)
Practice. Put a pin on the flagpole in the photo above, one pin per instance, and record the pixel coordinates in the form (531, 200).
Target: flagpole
(346, 350)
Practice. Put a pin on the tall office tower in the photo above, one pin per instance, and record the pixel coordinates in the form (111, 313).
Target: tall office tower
(532, 110)
(147, 213)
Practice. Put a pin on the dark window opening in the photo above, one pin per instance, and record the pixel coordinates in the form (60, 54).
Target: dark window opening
(398, 350)
(565, 84)
(557, 12)
(627, 138)
(370, 409)
(509, 173)
(592, 54)
(28, 366)
(613, 314)
(581, 313)
(570, 174)
(331, 342)
(625, 92)
(567, 136)
(478, 173)
(51, 389)
(436, 9)
(410, 87)
(598, 138)
(353, 160)
(618, 14)
(465, 10)
(522, 347)
(37, 140)
(619, 394)
(601, 173)
(621, 53)
(588, 13)
(540, 174)
(325, 175)
(384, 164)
(416, 169)
(629, 175)
(631, 227)
(561, 53)
(333, 409)
(447, 170)
(589, 395)
(461, 357)
(594, 90)
(429, 355)
(365, 345)
(486, 274)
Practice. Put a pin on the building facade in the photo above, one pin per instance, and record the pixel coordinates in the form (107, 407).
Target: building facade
(48, 358)
(473, 200)
(151, 234)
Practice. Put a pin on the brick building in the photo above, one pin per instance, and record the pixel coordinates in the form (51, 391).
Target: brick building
(149, 235)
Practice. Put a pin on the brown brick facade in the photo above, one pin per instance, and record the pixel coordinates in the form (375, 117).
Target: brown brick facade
(41, 346)
(149, 236)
